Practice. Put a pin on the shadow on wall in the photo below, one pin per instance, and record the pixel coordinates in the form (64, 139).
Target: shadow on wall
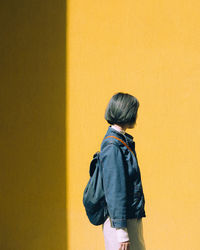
(32, 125)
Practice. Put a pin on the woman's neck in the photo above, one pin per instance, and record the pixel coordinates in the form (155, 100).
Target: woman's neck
(119, 128)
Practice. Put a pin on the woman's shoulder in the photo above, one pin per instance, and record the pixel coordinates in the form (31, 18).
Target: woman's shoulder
(111, 142)
(113, 138)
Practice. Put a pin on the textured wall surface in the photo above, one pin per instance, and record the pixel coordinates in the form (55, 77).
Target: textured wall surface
(150, 49)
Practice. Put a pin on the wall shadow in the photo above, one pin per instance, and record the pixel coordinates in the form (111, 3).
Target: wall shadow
(32, 125)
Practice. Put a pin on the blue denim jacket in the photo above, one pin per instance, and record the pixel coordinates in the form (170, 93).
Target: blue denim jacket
(121, 179)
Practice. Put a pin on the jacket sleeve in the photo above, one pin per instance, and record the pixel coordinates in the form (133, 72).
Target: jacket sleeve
(114, 182)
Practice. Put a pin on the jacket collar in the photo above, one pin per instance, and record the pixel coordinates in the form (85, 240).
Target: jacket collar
(118, 134)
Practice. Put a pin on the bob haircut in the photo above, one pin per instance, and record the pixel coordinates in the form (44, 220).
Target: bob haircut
(122, 109)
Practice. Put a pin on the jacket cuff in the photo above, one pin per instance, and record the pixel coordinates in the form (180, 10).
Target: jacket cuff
(119, 223)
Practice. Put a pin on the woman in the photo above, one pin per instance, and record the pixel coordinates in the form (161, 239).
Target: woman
(121, 177)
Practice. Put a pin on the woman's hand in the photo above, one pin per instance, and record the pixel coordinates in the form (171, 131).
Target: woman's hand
(125, 245)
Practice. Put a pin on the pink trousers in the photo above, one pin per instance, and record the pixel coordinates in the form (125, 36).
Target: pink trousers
(135, 232)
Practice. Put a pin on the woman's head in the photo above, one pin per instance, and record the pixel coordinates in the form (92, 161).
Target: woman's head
(122, 110)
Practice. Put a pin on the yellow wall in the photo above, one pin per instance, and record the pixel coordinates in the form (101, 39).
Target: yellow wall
(149, 49)
(32, 125)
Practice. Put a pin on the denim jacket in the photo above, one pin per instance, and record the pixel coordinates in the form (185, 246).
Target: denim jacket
(121, 179)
